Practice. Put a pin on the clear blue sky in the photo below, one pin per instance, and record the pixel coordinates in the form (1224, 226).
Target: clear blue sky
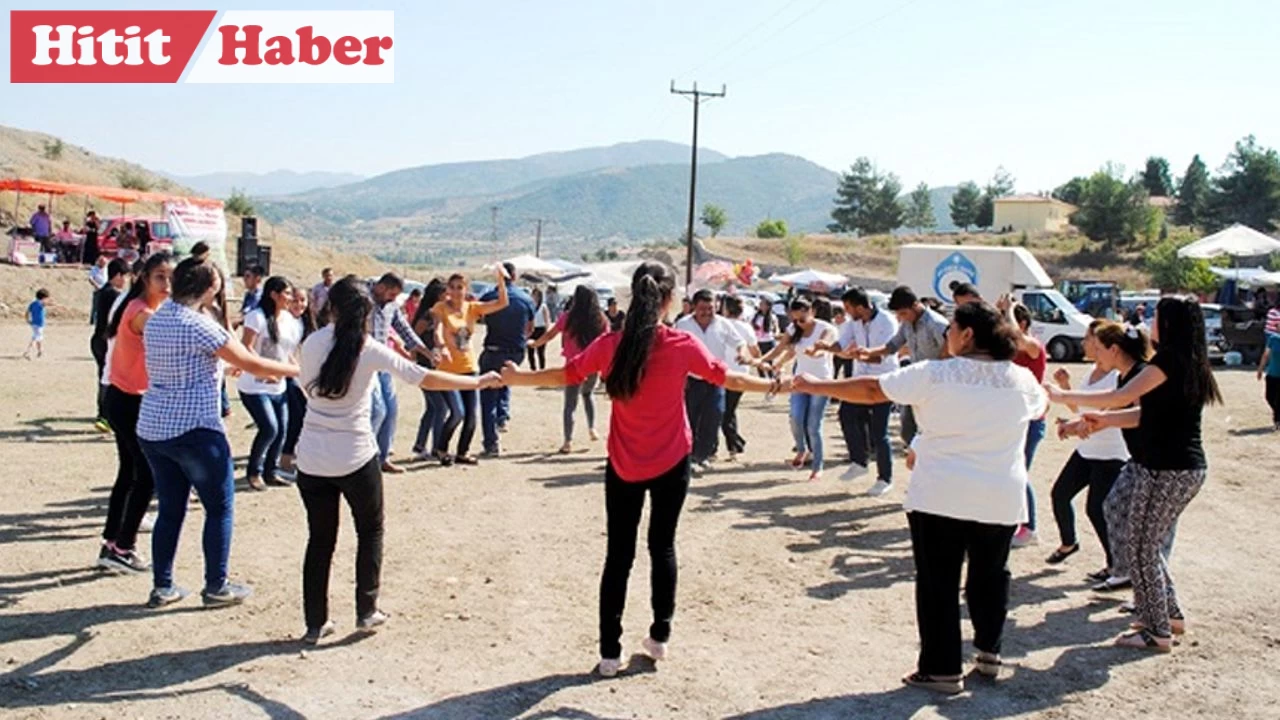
(935, 90)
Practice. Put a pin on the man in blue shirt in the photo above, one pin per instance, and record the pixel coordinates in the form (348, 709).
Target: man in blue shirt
(506, 336)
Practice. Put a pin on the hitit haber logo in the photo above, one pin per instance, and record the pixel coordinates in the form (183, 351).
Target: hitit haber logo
(241, 46)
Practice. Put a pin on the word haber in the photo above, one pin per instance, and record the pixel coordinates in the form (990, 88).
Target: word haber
(312, 49)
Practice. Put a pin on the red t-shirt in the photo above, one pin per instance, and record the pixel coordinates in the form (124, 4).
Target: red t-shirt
(649, 433)
(1036, 365)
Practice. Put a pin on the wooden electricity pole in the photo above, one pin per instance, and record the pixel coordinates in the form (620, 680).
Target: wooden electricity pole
(698, 96)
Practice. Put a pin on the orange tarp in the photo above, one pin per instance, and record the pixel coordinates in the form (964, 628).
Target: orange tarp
(120, 195)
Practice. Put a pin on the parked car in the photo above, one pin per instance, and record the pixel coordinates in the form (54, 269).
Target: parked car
(158, 230)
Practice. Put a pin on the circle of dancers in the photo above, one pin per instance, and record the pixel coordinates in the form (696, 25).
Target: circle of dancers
(317, 369)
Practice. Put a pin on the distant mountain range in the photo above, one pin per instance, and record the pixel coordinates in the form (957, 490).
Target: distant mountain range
(256, 185)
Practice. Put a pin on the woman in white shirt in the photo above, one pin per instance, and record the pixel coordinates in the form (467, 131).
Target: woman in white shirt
(270, 331)
(541, 324)
(802, 341)
(338, 454)
(1098, 459)
(968, 485)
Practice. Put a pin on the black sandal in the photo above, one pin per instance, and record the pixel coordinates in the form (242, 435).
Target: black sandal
(1058, 556)
(1098, 576)
(945, 685)
(443, 457)
(466, 460)
(1145, 640)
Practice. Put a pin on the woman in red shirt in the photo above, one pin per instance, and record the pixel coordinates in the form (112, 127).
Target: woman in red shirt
(1031, 355)
(645, 367)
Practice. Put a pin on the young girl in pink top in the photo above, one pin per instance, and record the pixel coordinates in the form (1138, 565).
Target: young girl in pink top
(645, 367)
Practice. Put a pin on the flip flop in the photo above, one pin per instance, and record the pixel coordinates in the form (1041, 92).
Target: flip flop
(937, 683)
(1145, 640)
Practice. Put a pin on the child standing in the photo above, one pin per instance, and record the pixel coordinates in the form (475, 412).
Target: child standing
(35, 318)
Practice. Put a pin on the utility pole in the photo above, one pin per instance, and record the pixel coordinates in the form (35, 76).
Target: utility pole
(697, 96)
(537, 242)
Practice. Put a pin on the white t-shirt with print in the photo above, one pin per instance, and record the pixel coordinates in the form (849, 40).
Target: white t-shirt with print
(973, 417)
(289, 335)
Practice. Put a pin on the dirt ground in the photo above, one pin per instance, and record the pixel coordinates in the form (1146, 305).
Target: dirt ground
(795, 598)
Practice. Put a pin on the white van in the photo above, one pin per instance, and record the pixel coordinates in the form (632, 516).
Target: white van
(929, 270)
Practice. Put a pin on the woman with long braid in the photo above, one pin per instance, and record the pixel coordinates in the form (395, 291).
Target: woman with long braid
(645, 367)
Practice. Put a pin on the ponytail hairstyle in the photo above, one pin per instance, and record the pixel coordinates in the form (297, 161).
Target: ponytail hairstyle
(349, 308)
(1132, 340)
(992, 332)
(584, 322)
(138, 288)
(799, 304)
(274, 284)
(1184, 354)
(651, 288)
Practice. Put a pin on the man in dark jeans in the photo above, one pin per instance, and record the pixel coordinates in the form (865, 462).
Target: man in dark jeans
(705, 402)
(506, 336)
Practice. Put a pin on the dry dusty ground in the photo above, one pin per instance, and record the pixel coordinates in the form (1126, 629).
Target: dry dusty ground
(795, 598)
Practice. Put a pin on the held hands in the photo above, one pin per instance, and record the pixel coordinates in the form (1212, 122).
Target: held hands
(803, 383)
(1093, 422)
(1055, 393)
(1072, 428)
(490, 380)
(510, 372)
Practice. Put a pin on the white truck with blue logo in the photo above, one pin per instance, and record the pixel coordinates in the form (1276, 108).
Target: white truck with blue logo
(930, 270)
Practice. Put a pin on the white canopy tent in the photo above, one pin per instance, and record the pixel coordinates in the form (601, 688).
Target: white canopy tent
(1236, 241)
(811, 279)
(1248, 277)
(528, 264)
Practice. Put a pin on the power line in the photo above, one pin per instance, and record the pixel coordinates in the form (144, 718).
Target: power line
(698, 96)
(741, 37)
(774, 34)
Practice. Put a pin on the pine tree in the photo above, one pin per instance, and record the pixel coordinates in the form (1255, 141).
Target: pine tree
(867, 201)
(965, 205)
(1249, 190)
(1155, 178)
(1193, 195)
(920, 210)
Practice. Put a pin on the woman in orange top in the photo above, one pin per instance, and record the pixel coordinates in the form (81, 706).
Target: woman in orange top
(131, 493)
(457, 317)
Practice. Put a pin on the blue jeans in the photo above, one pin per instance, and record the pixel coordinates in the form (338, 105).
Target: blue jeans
(386, 410)
(271, 414)
(806, 424)
(461, 405)
(432, 422)
(199, 459)
(1035, 433)
(495, 403)
(866, 426)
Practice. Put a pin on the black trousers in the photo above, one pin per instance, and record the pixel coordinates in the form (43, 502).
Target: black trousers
(623, 502)
(940, 545)
(320, 495)
(1273, 397)
(132, 490)
(538, 355)
(1080, 473)
(704, 404)
(729, 425)
(98, 348)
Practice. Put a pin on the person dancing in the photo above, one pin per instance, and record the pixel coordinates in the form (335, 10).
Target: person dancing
(338, 454)
(1171, 391)
(967, 492)
(645, 367)
(578, 327)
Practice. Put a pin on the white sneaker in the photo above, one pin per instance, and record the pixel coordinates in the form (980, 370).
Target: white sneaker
(609, 667)
(853, 472)
(1024, 537)
(654, 649)
(148, 523)
(880, 488)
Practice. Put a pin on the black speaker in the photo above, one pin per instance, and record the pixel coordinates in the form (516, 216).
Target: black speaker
(264, 259)
(249, 227)
(246, 254)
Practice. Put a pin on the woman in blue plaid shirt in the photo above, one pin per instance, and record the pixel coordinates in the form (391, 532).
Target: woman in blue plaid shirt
(181, 432)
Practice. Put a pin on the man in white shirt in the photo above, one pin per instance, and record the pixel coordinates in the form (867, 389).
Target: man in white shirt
(729, 425)
(867, 426)
(703, 401)
(98, 279)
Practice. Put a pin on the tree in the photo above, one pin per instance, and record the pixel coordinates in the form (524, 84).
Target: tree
(771, 229)
(1248, 190)
(1111, 210)
(1001, 185)
(964, 205)
(1070, 191)
(53, 150)
(238, 203)
(1155, 178)
(1172, 273)
(793, 249)
(1193, 195)
(920, 210)
(713, 216)
(867, 201)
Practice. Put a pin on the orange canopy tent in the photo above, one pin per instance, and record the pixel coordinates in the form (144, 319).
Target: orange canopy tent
(113, 194)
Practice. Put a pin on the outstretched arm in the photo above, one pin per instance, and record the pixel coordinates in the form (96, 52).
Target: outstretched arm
(1149, 379)
(859, 390)
(513, 376)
